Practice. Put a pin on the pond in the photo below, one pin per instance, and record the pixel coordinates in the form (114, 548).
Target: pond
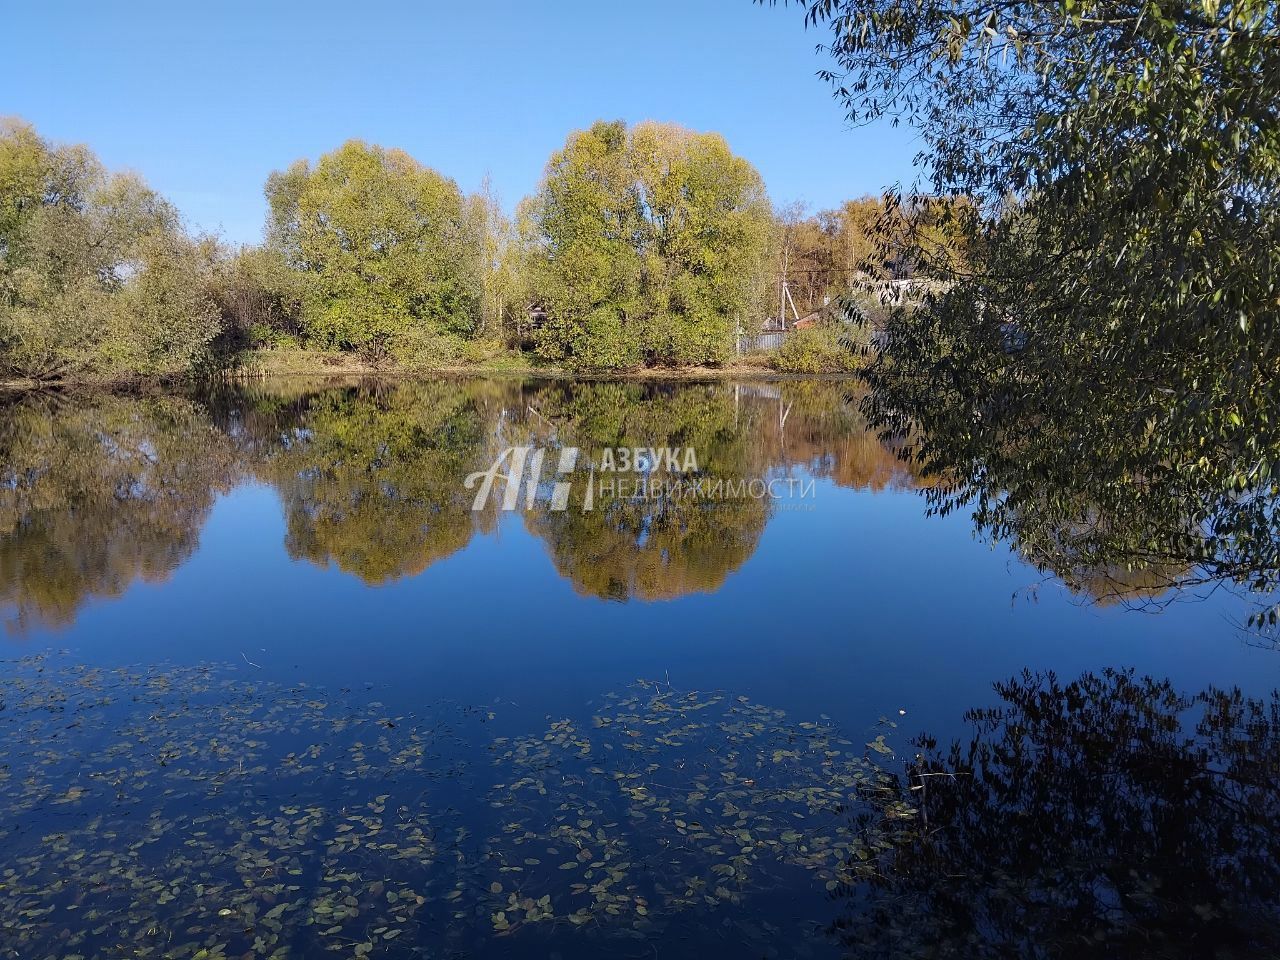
(284, 679)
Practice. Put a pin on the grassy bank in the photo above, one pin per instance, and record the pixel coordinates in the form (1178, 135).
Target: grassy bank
(265, 364)
(255, 365)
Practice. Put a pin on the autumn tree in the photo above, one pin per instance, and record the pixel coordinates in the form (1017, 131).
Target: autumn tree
(825, 256)
(97, 277)
(505, 297)
(803, 259)
(647, 246)
(389, 248)
(1110, 335)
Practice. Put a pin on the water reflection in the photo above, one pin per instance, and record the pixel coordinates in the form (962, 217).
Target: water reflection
(1124, 477)
(101, 491)
(98, 493)
(1112, 816)
(652, 547)
(819, 427)
(370, 479)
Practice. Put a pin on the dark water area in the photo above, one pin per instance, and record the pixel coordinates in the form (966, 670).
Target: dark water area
(277, 685)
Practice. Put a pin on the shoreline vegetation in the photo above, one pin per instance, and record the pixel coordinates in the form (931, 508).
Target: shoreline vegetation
(648, 250)
(290, 364)
(1076, 324)
(264, 365)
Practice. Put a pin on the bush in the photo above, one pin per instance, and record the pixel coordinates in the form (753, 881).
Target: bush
(816, 350)
(418, 348)
(260, 299)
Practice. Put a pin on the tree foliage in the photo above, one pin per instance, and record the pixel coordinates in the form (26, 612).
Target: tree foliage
(824, 256)
(1108, 355)
(97, 276)
(386, 246)
(647, 246)
(260, 297)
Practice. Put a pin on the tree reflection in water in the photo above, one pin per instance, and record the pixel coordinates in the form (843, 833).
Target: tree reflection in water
(632, 546)
(370, 478)
(1124, 480)
(98, 493)
(1106, 817)
(667, 546)
(101, 491)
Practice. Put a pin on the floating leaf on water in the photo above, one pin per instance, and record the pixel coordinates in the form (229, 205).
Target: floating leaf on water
(670, 790)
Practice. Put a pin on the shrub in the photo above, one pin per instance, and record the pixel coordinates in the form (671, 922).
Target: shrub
(816, 350)
(260, 299)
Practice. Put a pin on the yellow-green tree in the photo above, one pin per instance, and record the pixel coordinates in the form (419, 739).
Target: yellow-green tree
(97, 276)
(647, 246)
(390, 249)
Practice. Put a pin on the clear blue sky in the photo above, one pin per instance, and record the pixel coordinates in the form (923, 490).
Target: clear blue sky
(206, 99)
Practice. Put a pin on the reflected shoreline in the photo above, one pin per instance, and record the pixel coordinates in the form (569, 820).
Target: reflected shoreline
(102, 491)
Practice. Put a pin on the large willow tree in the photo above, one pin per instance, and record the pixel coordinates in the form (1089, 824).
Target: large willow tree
(97, 276)
(1099, 380)
(647, 246)
(387, 248)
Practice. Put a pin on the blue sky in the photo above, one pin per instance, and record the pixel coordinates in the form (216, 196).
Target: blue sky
(204, 100)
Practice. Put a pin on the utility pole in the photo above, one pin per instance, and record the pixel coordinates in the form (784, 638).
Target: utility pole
(782, 292)
(786, 289)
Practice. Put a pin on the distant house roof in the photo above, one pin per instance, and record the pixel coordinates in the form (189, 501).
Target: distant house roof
(810, 319)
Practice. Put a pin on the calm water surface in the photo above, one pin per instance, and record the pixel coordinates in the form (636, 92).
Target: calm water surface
(277, 689)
